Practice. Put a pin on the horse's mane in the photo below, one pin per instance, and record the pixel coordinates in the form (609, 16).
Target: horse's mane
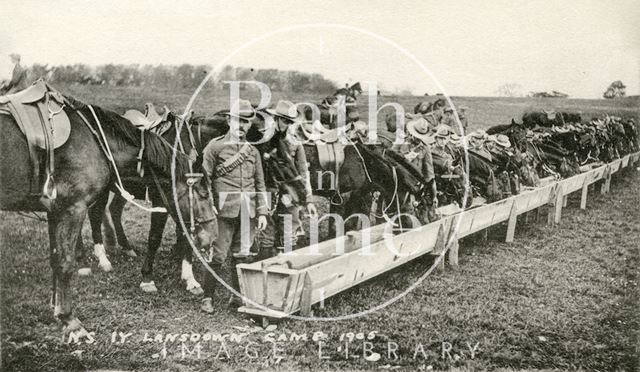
(406, 178)
(157, 153)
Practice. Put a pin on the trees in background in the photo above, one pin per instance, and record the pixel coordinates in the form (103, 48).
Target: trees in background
(615, 90)
(509, 90)
(183, 76)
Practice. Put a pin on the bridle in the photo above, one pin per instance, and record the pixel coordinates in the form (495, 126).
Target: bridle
(192, 180)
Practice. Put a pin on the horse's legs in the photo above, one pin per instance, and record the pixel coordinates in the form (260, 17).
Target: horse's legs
(109, 230)
(158, 221)
(187, 263)
(96, 213)
(64, 230)
(116, 208)
(81, 257)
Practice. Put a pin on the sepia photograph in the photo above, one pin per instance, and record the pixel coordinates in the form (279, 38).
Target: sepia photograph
(319, 185)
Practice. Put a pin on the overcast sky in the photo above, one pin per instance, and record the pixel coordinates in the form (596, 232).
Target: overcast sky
(472, 48)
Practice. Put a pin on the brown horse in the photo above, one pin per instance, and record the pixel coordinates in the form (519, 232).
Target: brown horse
(280, 173)
(368, 183)
(83, 174)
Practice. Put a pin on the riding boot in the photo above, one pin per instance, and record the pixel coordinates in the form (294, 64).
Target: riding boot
(236, 301)
(210, 283)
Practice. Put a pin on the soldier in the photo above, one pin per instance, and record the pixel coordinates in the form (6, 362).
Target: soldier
(449, 119)
(440, 151)
(18, 80)
(288, 124)
(234, 167)
(416, 150)
(498, 146)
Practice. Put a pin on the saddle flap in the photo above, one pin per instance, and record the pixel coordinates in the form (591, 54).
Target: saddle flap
(138, 119)
(32, 94)
(330, 156)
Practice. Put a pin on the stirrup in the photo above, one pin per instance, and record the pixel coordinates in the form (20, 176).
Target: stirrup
(49, 190)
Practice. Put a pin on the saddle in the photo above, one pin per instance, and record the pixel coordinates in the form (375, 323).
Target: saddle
(551, 114)
(326, 141)
(38, 110)
(150, 120)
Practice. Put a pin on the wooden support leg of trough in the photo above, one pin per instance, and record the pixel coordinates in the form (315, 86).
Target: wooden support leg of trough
(453, 242)
(438, 250)
(555, 201)
(511, 225)
(564, 201)
(606, 176)
(585, 192)
(305, 301)
(526, 217)
(538, 214)
(558, 205)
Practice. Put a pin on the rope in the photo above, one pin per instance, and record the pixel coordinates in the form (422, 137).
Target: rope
(126, 195)
(364, 165)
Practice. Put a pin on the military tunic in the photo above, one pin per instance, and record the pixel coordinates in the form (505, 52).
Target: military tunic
(237, 178)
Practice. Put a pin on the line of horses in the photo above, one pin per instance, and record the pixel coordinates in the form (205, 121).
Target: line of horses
(107, 153)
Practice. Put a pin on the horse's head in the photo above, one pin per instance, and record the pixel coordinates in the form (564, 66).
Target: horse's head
(421, 205)
(195, 205)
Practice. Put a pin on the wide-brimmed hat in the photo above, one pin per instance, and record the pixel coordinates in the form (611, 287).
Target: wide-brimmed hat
(242, 109)
(502, 140)
(419, 128)
(479, 134)
(15, 56)
(442, 131)
(285, 109)
(455, 139)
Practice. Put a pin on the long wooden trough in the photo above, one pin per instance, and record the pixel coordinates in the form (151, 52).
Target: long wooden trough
(292, 282)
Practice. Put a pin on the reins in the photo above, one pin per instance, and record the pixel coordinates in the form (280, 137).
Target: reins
(104, 145)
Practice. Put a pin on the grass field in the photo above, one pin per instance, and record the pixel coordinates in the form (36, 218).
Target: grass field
(563, 297)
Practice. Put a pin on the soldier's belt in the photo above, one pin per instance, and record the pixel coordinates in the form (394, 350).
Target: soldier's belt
(234, 161)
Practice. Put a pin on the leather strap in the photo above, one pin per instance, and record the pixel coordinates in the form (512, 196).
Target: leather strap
(234, 161)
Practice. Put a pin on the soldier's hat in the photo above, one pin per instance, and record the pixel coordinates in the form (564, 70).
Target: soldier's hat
(285, 109)
(242, 109)
(502, 140)
(479, 134)
(442, 132)
(419, 128)
(455, 139)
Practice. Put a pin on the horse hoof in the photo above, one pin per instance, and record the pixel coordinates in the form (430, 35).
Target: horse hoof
(75, 326)
(105, 265)
(130, 253)
(85, 271)
(101, 255)
(148, 287)
(197, 291)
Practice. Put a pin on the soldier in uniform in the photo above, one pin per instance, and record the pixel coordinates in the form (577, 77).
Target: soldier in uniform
(235, 169)
(417, 151)
(287, 120)
(449, 119)
(440, 151)
(18, 80)
(498, 146)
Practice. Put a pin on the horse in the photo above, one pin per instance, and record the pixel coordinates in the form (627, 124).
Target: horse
(369, 183)
(85, 171)
(332, 108)
(195, 134)
(485, 179)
